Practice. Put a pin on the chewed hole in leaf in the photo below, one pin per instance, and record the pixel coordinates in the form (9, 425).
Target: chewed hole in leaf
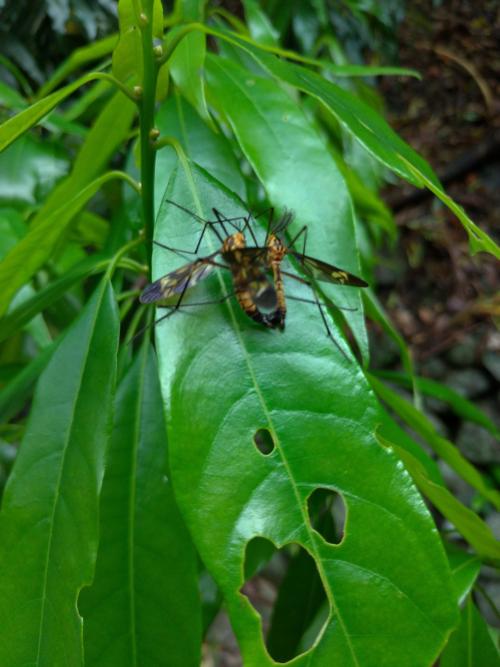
(327, 514)
(264, 441)
(285, 588)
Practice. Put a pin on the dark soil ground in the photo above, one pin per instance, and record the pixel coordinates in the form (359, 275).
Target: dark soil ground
(445, 302)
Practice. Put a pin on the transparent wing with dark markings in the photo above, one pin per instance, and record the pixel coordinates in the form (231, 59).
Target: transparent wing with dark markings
(180, 279)
(327, 272)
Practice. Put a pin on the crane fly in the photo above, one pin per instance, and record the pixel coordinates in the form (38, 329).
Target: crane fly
(273, 255)
(253, 288)
(256, 272)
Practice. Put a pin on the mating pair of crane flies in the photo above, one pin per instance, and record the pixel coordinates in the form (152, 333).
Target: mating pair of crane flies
(256, 271)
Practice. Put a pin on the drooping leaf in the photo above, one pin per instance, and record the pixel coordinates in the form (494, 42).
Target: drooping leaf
(468, 524)
(371, 130)
(224, 378)
(443, 447)
(460, 405)
(49, 517)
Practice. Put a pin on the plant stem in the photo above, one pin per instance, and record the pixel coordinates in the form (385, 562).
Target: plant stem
(147, 115)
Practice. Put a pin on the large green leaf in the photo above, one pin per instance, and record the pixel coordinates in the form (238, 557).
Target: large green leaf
(223, 378)
(471, 644)
(370, 129)
(143, 607)
(49, 518)
(177, 118)
(296, 169)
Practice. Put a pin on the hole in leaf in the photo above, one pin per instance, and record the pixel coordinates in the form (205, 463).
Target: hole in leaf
(264, 441)
(327, 513)
(285, 588)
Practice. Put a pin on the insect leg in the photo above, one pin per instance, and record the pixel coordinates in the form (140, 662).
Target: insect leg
(293, 241)
(310, 285)
(318, 304)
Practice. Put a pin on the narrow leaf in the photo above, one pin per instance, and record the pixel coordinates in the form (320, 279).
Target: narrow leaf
(38, 244)
(143, 607)
(443, 447)
(468, 524)
(471, 644)
(49, 518)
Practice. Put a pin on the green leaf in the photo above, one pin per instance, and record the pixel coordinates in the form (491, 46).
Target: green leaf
(29, 169)
(78, 58)
(465, 569)
(14, 396)
(14, 127)
(372, 131)
(223, 378)
(18, 317)
(143, 607)
(177, 118)
(38, 244)
(127, 54)
(296, 169)
(471, 644)
(49, 518)
(468, 524)
(259, 24)
(186, 67)
(460, 405)
(443, 447)
(107, 134)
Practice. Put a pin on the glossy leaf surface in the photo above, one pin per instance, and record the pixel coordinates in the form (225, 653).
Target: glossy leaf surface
(296, 170)
(222, 379)
(49, 518)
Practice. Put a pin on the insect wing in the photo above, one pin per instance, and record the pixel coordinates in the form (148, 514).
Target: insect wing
(327, 272)
(177, 281)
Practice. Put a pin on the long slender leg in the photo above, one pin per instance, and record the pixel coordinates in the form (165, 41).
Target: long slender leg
(310, 285)
(293, 241)
(325, 323)
(199, 303)
(318, 304)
